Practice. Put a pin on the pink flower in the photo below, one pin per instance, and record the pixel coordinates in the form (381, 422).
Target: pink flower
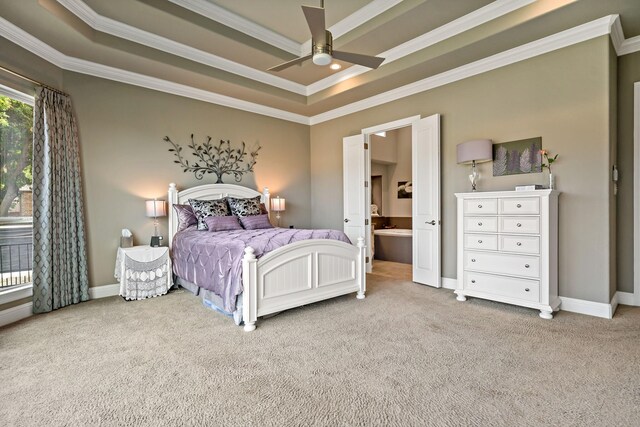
(544, 152)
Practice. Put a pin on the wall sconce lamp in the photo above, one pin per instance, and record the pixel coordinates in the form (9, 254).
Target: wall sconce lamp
(277, 206)
(155, 209)
(475, 151)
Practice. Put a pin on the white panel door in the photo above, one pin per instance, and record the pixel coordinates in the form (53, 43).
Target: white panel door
(355, 198)
(426, 200)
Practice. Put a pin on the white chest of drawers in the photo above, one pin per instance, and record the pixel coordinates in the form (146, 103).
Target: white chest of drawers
(508, 248)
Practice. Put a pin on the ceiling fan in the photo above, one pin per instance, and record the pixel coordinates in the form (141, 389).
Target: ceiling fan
(322, 52)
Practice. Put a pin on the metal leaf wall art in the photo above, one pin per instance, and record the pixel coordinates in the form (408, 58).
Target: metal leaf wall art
(219, 159)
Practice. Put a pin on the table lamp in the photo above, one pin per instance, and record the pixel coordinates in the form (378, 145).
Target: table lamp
(277, 206)
(472, 152)
(155, 209)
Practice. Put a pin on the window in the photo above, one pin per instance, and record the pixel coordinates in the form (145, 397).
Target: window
(16, 146)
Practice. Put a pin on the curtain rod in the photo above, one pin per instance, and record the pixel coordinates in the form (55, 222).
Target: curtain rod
(22, 76)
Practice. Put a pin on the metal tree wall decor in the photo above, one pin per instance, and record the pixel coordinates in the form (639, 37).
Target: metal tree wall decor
(220, 159)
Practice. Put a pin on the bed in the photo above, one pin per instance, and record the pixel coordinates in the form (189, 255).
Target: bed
(293, 275)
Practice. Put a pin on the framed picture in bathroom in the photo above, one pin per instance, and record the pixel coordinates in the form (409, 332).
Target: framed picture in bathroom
(405, 190)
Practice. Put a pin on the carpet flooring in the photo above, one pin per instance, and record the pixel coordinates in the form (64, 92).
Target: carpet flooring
(406, 355)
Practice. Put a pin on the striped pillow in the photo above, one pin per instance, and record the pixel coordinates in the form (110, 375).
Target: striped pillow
(222, 223)
(255, 222)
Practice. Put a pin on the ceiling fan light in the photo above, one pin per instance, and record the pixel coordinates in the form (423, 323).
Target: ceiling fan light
(322, 59)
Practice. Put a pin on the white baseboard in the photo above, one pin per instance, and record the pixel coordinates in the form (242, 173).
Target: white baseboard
(16, 313)
(627, 298)
(598, 309)
(448, 283)
(104, 291)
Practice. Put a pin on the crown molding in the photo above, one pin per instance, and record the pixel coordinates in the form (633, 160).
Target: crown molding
(219, 14)
(18, 36)
(353, 21)
(464, 23)
(136, 35)
(617, 35)
(629, 46)
(560, 40)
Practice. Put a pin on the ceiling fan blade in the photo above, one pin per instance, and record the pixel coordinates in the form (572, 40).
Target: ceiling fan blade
(288, 64)
(315, 20)
(356, 58)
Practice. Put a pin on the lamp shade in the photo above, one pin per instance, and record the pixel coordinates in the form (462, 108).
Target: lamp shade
(278, 204)
(480, 150)
(156, 208)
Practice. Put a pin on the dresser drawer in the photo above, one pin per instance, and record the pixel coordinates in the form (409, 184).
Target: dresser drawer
(480, 206)
(519, 265)
(524, 244)
(519, 224)
(520, 205)
(487, 224)
(524, 289)
(481, 241)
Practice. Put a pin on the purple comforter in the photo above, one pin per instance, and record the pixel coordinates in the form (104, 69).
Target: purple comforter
(213, 260)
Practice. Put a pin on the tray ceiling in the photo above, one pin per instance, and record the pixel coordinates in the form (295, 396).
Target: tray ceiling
(220, 49)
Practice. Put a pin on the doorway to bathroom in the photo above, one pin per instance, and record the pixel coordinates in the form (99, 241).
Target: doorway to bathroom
(392, 195)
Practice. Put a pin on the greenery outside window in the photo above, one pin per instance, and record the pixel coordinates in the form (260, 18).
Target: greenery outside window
(16, 147)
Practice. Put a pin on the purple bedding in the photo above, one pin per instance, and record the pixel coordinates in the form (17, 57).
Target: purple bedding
(213, 260)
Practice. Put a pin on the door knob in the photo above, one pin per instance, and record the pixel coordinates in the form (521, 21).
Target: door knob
(346, 220)
(431, 222)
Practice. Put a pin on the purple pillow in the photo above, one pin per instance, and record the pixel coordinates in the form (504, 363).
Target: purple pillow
(186, 217)
(222, 223)
(255, 222)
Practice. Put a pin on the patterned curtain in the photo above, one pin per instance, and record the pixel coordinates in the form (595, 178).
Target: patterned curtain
(59, 252)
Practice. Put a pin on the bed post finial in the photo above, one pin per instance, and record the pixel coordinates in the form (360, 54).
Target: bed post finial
(362, 276)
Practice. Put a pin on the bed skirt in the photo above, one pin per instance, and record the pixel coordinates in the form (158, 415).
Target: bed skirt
(211, 300)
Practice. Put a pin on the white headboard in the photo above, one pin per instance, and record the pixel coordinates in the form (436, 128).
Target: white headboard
(207, 192)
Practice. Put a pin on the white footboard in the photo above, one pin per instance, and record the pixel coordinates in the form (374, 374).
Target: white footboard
(299, 274)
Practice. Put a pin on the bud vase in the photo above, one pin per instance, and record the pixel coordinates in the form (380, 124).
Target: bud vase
(552, 184)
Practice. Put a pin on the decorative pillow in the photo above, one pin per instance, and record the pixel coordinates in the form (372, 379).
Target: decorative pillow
(186, 217)
(244, 207)
(222, 223)
(207, 208)
(263, 209)
(255, 222)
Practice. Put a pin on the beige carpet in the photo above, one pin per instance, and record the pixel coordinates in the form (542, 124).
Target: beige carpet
(407, 355)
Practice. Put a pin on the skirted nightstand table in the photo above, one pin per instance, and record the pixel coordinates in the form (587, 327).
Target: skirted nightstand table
(143, 272)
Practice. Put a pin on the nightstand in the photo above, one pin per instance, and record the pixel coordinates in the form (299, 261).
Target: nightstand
(143, 271)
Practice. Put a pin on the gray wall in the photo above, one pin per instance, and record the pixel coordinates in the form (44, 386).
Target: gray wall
(562, 96)
(628, 74)
(126, 161)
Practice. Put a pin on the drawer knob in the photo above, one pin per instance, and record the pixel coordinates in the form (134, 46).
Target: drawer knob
(526, 289)
(519, 225)
(480, 206)
(519, 243)
(479, 224)
(473, 281)
(479, 241)
(518, 205)
(473, 260)
(526, 266)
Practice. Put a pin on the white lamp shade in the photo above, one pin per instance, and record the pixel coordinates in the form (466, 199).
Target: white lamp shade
(156, 208)
(278, 204)
(480, 150)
